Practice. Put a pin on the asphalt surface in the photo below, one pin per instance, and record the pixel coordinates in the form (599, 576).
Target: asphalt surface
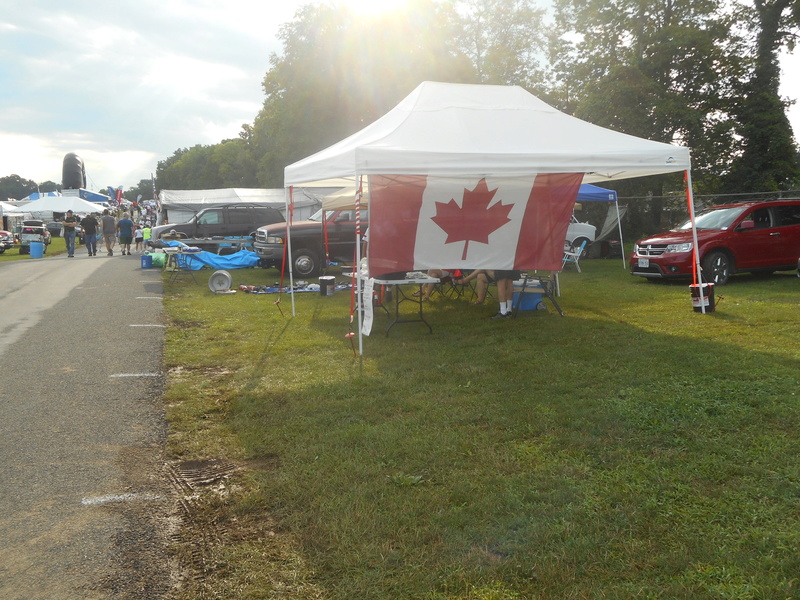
(84, 498)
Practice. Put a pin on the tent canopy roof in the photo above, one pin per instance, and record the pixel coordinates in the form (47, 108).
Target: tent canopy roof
(463, 130)
(61, 204)
(207, 198)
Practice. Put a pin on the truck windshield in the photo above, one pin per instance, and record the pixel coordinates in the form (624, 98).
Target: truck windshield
(714, 218)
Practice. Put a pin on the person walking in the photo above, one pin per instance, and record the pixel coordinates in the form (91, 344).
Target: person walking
(69, 223)
(138, 238)
(125, 231)
(109, 231)
(89, 225)
(146, 232)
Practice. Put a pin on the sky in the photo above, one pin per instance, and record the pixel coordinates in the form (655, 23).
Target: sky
(126, 83)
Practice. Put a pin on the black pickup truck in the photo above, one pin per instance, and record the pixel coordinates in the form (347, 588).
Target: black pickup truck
(308, 241)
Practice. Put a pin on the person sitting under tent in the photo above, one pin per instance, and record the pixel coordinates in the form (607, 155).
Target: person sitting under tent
(482, 279)
(441, 275)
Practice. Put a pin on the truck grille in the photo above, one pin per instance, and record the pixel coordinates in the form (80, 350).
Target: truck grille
(651, 249)
(261, 236)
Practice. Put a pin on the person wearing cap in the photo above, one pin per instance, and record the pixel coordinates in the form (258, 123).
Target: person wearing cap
(69, 223)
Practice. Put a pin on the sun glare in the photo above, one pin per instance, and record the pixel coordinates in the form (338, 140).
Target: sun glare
(372, 7)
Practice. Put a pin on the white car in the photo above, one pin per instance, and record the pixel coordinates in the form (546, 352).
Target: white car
(577, 233)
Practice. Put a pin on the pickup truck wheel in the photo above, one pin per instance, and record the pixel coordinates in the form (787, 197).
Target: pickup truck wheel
(305, 263)
(717, 268)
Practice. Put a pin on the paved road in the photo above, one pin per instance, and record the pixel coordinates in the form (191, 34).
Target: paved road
(83, 500)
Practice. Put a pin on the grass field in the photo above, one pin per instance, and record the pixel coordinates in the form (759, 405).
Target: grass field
(57, 246)
(632, 449)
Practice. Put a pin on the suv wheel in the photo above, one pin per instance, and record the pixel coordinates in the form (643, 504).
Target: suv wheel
(305, 263)
(717, 267)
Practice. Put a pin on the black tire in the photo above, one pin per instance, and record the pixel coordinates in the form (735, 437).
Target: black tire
(577, 243)
(73, 175)
(305, 263)
(717, 267)
(24, 250)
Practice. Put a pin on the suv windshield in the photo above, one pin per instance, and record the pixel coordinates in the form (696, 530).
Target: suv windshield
(715, 218)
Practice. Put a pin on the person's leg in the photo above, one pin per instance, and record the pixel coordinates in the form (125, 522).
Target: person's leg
(481, 285)
(504, 294)
(70, 238)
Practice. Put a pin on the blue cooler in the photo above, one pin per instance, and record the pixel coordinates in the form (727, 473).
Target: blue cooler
(147, 261)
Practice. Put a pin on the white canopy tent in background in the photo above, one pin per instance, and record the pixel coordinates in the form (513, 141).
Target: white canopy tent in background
(182, 205)
(463, 131)
(61, 204)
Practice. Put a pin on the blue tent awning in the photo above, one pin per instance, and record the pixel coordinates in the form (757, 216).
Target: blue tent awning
(592, 193)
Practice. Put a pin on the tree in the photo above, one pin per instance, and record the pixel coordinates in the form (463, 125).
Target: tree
(339, 71)
(504, 40)
(663, 71)
(15, 187)
(768, 160)
(143, 188)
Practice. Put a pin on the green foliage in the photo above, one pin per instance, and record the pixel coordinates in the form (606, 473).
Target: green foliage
(340, 71)
(15, 187)
(143, 188)
(700, 73)
(664, 72)
(632, 449)
(768, 161)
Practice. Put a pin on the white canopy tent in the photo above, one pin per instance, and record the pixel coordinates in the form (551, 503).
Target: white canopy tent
(462, 131)
(181, 205)
(61, 204)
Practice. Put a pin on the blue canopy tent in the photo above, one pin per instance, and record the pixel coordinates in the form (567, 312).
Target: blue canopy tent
(592, 193)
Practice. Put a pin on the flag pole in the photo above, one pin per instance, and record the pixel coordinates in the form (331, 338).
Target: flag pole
(697, 278)
(357, 268)
(289, 200)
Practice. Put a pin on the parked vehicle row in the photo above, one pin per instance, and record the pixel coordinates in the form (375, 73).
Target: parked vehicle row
(308, 240)
(732, 238)
(33, 230)
(6, 240)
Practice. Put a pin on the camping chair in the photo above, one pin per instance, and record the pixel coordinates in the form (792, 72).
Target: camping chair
(448, 288)
(573, 256)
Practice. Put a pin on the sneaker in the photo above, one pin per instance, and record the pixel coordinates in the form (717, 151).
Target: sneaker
(94, 254)
(501, 316)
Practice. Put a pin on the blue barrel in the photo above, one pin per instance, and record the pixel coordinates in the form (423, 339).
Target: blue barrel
(147, 261)
(37, 249)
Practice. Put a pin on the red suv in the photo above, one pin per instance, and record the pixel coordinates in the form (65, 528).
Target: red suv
(732, 238)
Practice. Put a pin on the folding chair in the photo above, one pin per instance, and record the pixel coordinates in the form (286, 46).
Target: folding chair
(448, 288)
(181, 265)
(573, 256)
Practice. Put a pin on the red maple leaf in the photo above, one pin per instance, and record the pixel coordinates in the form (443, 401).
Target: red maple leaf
(473, 221)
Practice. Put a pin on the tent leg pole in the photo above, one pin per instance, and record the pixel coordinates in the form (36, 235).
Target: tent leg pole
(621, 242)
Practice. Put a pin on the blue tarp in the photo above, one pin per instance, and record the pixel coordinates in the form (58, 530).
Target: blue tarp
(592, 193)
(195, 261)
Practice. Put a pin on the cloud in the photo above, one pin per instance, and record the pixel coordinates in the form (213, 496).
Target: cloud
(124, 84)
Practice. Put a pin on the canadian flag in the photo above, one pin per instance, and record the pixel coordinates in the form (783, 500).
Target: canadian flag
(420, 223)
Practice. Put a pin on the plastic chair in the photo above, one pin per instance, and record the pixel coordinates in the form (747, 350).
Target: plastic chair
(573, 256)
